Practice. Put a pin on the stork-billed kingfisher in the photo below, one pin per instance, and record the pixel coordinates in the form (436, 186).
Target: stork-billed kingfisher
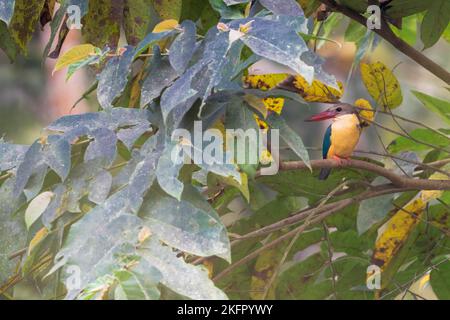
(342, 136)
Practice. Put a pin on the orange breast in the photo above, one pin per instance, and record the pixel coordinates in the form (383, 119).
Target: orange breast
(345, 133)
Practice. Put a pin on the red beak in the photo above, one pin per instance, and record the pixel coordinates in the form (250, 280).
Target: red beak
(322, 116)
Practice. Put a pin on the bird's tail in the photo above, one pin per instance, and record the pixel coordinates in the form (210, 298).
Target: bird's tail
(324, 173)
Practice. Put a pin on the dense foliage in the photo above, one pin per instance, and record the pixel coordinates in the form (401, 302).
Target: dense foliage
(96, 209)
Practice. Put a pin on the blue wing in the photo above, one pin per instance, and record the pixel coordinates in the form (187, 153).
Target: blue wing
(326, 142)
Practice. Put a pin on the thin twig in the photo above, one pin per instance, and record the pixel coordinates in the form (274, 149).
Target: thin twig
(330, 258)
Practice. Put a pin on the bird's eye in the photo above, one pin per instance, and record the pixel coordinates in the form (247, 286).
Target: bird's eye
(339, 109)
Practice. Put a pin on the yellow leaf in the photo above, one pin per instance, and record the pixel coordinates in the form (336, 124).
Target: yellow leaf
(261, 123)
(365, 112)
(264, 82)
(266, 157)
(382, 85)
(40, 235)
(428, 195)
(274, 104)
(398, 228)
(75, 54)
(317, 91)
(144, 234)
(166, 25)
(209, 265)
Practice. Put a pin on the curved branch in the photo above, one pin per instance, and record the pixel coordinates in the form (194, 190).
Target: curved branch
(397, 180)
(386, 33)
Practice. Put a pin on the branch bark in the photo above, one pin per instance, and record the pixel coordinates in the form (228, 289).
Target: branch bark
(397, 180)
(386, 33)
(320, 214)
(399, 184)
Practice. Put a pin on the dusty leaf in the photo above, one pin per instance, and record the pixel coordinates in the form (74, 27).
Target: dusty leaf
(37, 207)
(6, 10)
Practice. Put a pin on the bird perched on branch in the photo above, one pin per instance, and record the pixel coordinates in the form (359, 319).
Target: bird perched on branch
(342, 136)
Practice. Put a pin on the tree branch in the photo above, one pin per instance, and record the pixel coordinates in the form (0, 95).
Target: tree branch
(397, 180)
(320, 215)
(386, 33)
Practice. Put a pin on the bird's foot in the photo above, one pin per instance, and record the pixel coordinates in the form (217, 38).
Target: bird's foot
(341, 161)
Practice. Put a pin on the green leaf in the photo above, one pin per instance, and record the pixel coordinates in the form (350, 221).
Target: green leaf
(356, 5)
(137, 20)
(329, 26)
(354, 32)
(185, 279)
(404, 8)
(435, 22)
(192, 9)
(446, 34)
(423, 135)
(226, 12)
(299, 281)
(7, 44)
(303, 183)
(24, 21)
(408, 32)
(134, 285)
(372, 211)
(290, 137)
(349, 242)
(81, 64)
(103, 22)
(440, 280)
(168, 9)
(238, 116)
(438, 106)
